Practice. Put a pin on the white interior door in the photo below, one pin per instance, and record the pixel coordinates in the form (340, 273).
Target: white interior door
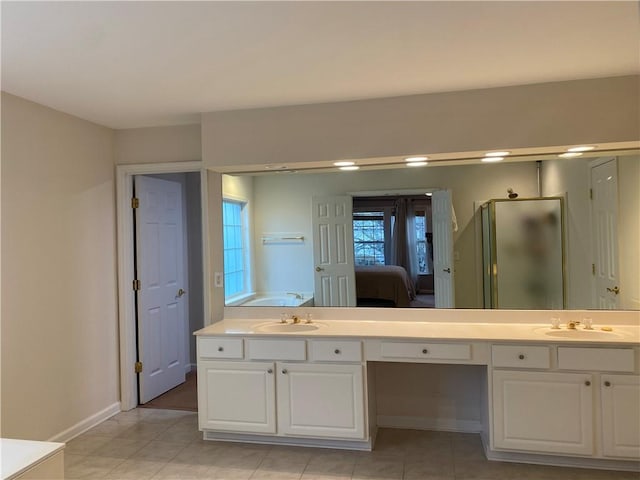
(443, 271)
(160, 270)
(604, 211)
(334, 276)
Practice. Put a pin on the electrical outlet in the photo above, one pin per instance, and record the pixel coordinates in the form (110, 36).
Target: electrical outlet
(217, 279)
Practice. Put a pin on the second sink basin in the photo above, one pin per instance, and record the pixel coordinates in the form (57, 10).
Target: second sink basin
(273, 327)
(581, 334)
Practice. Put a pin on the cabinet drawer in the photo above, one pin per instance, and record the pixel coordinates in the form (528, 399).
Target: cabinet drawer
(520, 356)
(263, 349)
(220, 347)
(427, 351)
(335, 351)
(598, 359)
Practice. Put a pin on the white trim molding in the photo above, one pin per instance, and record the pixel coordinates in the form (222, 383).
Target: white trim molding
(86, 424)
(126, 296)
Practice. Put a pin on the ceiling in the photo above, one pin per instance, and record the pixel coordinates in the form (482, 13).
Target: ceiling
(134, 64)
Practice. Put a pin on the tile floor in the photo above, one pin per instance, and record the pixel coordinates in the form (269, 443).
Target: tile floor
(165, 444)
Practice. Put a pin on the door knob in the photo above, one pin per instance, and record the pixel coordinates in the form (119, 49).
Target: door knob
(615, 290)
(448, 270)
(181, 292)
(319, 269)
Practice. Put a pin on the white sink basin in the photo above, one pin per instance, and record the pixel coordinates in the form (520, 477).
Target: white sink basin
(272, 327)
(581, 334)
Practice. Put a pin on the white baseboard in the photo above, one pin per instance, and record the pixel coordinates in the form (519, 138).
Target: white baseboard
(423, 423)
(86, 424)
(191, 367)
(365, 445)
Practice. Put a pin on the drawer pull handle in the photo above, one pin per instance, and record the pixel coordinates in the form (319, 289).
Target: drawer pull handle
(587, 383)
(270, 370)
(337, 351)
(285, 371)
(607, 383)
(424, 350)
(521, 356)
(221, 349)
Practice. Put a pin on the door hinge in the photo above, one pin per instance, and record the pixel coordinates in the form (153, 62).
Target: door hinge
(593, 269)
(135, 202)
(136, 285)
(591, 193)
(138, 367)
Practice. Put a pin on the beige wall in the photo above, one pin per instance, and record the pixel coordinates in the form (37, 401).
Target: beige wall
(441, 397)
(213, 245)
(59, 312)
(196, 262)
(541, 115)
(177, 143)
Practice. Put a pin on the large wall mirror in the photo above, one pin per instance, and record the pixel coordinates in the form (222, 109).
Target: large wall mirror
(381, 236)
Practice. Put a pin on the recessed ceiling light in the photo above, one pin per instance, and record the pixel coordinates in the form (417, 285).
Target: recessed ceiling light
(416, 159)
(497, 154)
(343, 163)
(492, 159)
(570, 154)
(416, 164)
(350, 167)
(581, 148)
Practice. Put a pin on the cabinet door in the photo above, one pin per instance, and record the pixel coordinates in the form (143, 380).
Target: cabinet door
(236, 396)
(543, 412)
(320, 400)
(621, 415)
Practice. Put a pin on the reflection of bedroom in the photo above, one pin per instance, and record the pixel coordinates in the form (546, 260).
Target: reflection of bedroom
(393, 250)
(280, 203)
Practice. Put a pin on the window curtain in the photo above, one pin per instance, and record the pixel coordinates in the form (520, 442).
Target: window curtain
(404, 241)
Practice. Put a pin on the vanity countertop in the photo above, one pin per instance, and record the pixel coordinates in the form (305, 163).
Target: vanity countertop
(516, 332)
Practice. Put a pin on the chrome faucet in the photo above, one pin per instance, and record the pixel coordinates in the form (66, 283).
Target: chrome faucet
(573, 324)
(297, 295)
(295, 319)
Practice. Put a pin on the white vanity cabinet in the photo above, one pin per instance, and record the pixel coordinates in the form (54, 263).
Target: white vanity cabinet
(236, 396)
(271, 388)
(620, 400)
(543, 411)
(564, 400)
(320, 400)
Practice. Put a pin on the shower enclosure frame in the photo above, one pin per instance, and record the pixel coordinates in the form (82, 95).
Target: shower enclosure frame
(490, 254)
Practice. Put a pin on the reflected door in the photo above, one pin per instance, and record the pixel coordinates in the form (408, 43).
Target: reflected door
(604, 208)
(334, 276)
(443, 274)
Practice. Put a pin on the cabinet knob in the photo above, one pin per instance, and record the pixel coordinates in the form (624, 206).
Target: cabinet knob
(424, 350)
(285, 371)
(270, 370)
(337, 351)
(587, 383)
(607, 383)
(221, 349)
(521, 356)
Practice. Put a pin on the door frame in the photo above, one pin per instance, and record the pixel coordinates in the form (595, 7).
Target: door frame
(125, 237)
